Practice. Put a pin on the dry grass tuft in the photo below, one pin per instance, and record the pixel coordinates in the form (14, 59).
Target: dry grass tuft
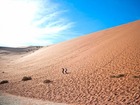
(25, 78)
(136, 76)
(117, 76)
(47, 81)
(4, 81)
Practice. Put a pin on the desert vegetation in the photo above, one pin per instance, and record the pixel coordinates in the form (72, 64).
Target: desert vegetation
(136, 76)
(26, 78)
(117, 76)
(47, 81)
(4, 81)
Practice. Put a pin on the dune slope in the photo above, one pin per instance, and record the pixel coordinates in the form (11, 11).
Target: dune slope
(8, 99)
(102, 68)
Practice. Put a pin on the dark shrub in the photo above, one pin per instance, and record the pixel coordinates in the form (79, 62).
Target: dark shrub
(4, 81)
(25, 78)
(47, 81)
(136, 76)
(117, 76)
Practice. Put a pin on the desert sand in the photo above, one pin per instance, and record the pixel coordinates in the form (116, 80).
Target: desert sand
(8, 99)
(103, 68)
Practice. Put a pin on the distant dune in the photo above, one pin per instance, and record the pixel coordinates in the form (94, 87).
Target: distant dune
(102, 68)
(18, 50)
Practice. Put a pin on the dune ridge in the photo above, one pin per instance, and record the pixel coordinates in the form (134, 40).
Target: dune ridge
(102, 67)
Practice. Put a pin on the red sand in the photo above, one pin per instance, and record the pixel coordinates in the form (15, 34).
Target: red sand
(103, 68)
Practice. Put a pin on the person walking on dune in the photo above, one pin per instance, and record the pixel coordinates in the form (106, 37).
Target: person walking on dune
(64, 71)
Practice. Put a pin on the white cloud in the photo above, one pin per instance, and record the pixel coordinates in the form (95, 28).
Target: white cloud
(27, 21)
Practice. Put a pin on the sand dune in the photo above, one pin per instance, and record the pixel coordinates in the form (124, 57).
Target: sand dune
(103, 68)
(7, 99)
(7, 52)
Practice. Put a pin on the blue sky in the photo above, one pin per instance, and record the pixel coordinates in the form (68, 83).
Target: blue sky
(95, 15)
(44, 22)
